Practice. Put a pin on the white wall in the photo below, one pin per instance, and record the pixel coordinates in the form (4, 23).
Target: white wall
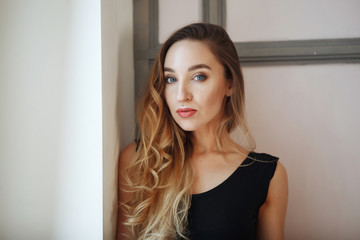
(51, 120)
(118, 97)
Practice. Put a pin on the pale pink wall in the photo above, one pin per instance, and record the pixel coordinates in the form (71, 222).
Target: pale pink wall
(187, 11)
(263, 20)
(309, 116)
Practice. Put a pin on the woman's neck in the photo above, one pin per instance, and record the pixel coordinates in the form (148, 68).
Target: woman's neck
(205, 141)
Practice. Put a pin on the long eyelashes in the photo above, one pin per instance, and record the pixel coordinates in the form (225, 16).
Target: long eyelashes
(196, 77)
(170, 79)
(199, 77)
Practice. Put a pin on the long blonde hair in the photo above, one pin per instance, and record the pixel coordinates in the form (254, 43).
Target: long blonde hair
(160, 175)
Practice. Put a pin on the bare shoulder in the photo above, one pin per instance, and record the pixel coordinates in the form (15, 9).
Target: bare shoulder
(123, 195)
(279, 184)
(128, 151)
(280, 172)
(126, 155)
(124, 160)
(273, 212)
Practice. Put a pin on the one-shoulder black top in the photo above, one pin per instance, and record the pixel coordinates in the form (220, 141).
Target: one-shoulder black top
(230, 210)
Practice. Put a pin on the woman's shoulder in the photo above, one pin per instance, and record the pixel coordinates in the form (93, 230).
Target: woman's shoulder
(263, 157)
(127, 154)
(265, 166)
(273, 166)
(279, 168)
(129, 150)
(124, 161)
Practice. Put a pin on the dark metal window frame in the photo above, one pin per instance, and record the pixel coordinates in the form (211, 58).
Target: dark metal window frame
(146, 43)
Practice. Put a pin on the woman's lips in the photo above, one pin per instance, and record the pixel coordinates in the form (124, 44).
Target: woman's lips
(185, 112)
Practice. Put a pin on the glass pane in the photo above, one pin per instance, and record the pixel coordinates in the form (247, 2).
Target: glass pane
(263, 20)
(175, 14)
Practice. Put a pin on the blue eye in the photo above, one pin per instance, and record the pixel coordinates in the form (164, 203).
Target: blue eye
(199, 77)
(170, 79)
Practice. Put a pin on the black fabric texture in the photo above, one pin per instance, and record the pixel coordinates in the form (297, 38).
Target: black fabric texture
(230, 210)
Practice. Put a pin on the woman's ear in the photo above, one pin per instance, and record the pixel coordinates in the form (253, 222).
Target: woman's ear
(229, 89)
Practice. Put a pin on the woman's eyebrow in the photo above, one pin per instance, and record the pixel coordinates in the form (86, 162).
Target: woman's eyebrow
(198, 66)
(192, 68)
(166, 69)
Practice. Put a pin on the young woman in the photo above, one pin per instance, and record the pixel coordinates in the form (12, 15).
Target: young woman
(185, 178)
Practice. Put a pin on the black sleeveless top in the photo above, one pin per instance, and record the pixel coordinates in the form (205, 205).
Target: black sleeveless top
(230, 210)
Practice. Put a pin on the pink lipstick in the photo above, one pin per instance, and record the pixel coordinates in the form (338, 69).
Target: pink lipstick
(185, 112)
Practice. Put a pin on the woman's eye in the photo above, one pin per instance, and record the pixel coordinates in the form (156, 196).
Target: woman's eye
(170, 79)
(199, 77)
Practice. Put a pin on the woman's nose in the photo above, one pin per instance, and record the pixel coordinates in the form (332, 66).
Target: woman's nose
(183, 93)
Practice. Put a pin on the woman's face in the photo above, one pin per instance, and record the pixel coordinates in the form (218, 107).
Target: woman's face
(195, 85)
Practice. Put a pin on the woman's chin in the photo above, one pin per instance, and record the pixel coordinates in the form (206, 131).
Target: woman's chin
(187, 127)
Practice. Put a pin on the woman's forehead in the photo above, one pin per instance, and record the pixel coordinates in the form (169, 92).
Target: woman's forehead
(187, 53)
